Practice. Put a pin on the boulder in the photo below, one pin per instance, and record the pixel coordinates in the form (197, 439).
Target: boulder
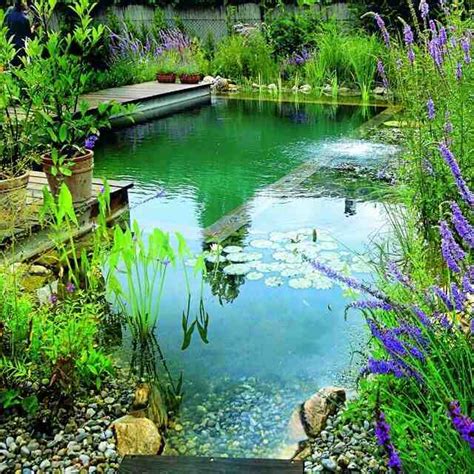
(380, 91)
(305, 88)
(39, 270)
(296, 429)
(320, 407)
(208, 80)
(272, 87)
(136, 436)
(221, 84)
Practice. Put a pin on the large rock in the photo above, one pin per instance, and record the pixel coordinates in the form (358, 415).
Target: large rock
(320, 407)
(136, 436)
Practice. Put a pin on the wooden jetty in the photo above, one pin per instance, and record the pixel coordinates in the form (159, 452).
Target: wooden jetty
(27, 239)
(201, 465)
(152, 99)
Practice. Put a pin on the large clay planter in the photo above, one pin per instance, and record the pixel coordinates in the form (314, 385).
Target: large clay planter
(189, 78)
(168, 78)
(12, 199)
(80, 181)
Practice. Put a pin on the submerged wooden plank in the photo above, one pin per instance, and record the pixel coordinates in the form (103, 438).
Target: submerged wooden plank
(201, 465)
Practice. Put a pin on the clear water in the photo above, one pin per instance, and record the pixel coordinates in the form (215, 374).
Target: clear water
(276, 334)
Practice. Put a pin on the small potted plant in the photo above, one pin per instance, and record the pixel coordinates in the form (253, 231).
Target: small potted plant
(17, 144)
(167, 67)
(189, 73)
(55, 76)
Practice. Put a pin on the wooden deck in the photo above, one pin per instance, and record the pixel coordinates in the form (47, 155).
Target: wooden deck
(27, 238)
(152, 99)
(198, 465)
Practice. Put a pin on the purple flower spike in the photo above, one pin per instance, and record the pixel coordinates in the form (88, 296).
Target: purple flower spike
(450, 160)
(462, 226)
(381, 71)
(368, 305)
(382, 433)
(466, 47)
(450, 249)
(430, 107)
(462, 423)
(411, 56)
(395, 273)
(53, 298)
(408, 35)
(424, 9)
(458, 71)
(383, 29)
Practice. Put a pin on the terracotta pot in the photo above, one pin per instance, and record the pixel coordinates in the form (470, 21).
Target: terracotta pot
(80, 181)
(168, 78)
(12, 199)
(190, 78)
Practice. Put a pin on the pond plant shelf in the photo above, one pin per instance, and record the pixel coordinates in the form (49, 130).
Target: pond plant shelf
(201, 465)
(27, 238)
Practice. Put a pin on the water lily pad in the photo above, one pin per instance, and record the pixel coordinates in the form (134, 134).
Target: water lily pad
(244, 256)
(263, 244)
(300, 283)
(278, 237)
(291, 270)
(254, 276)
(213, 258)
(322, 283)
(274, 282)
(237, 269)
(288, 257)
(232, 249)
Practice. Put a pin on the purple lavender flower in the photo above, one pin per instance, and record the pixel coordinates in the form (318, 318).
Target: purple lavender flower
(70, 287)
(300, 58)
(383, 29)
(53, 298)
(370, 304)
(90, 142)
(408, 35)
(384, 367)
(462, 423)
(382, 433)
(433, 29)
(467, 285)
(411, 55)
(442, 37)
(422, 316)
(394, 272)
(450, 160)
(458, 71)
(381, 71)
(448, 125)
(466, 47)
(462, 226)
(350, 282)
(424, 9)
(430, 108)
(450, 249)
(443, 296)
(435, 52)
(458, 297)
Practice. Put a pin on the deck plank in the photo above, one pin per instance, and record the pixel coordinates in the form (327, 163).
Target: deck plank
(201, 465)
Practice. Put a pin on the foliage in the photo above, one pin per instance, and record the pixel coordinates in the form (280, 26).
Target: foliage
(17, 148)
(421, 317)
(245, 58)
(288, 32)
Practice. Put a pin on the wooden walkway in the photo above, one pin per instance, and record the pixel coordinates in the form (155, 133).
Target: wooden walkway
(27, 239)
(139, 92)
(198, 465)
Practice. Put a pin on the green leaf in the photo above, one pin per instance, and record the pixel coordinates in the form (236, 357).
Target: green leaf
(63, 132)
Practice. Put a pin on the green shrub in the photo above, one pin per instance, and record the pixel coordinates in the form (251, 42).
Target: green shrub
(239, 57)
(290, 32)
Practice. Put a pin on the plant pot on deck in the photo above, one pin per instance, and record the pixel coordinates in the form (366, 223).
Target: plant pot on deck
(12, 199)
(190, 78)
(80, 181)
(166, 78)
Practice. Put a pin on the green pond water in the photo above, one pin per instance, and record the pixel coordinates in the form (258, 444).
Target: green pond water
(277, 331)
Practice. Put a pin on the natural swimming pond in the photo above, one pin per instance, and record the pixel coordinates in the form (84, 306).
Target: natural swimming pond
(277, 330)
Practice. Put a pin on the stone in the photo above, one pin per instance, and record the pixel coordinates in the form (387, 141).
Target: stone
(85, 460)
(221, 84)
(208, 80)
(102, 446)
(136, 436)
(380, 91)
(45, 292)
(343, 461)
(46, 464)
(320, 406)
(329, 464)
(296, 430)
(305, 88)
(39, 270)
(25, 451)
(90, 413)
(272, 87)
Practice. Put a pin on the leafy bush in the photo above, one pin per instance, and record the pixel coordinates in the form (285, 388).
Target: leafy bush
(245, 57)
(290, 32)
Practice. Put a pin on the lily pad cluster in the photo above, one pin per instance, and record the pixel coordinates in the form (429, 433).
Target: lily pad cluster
(284, 258)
